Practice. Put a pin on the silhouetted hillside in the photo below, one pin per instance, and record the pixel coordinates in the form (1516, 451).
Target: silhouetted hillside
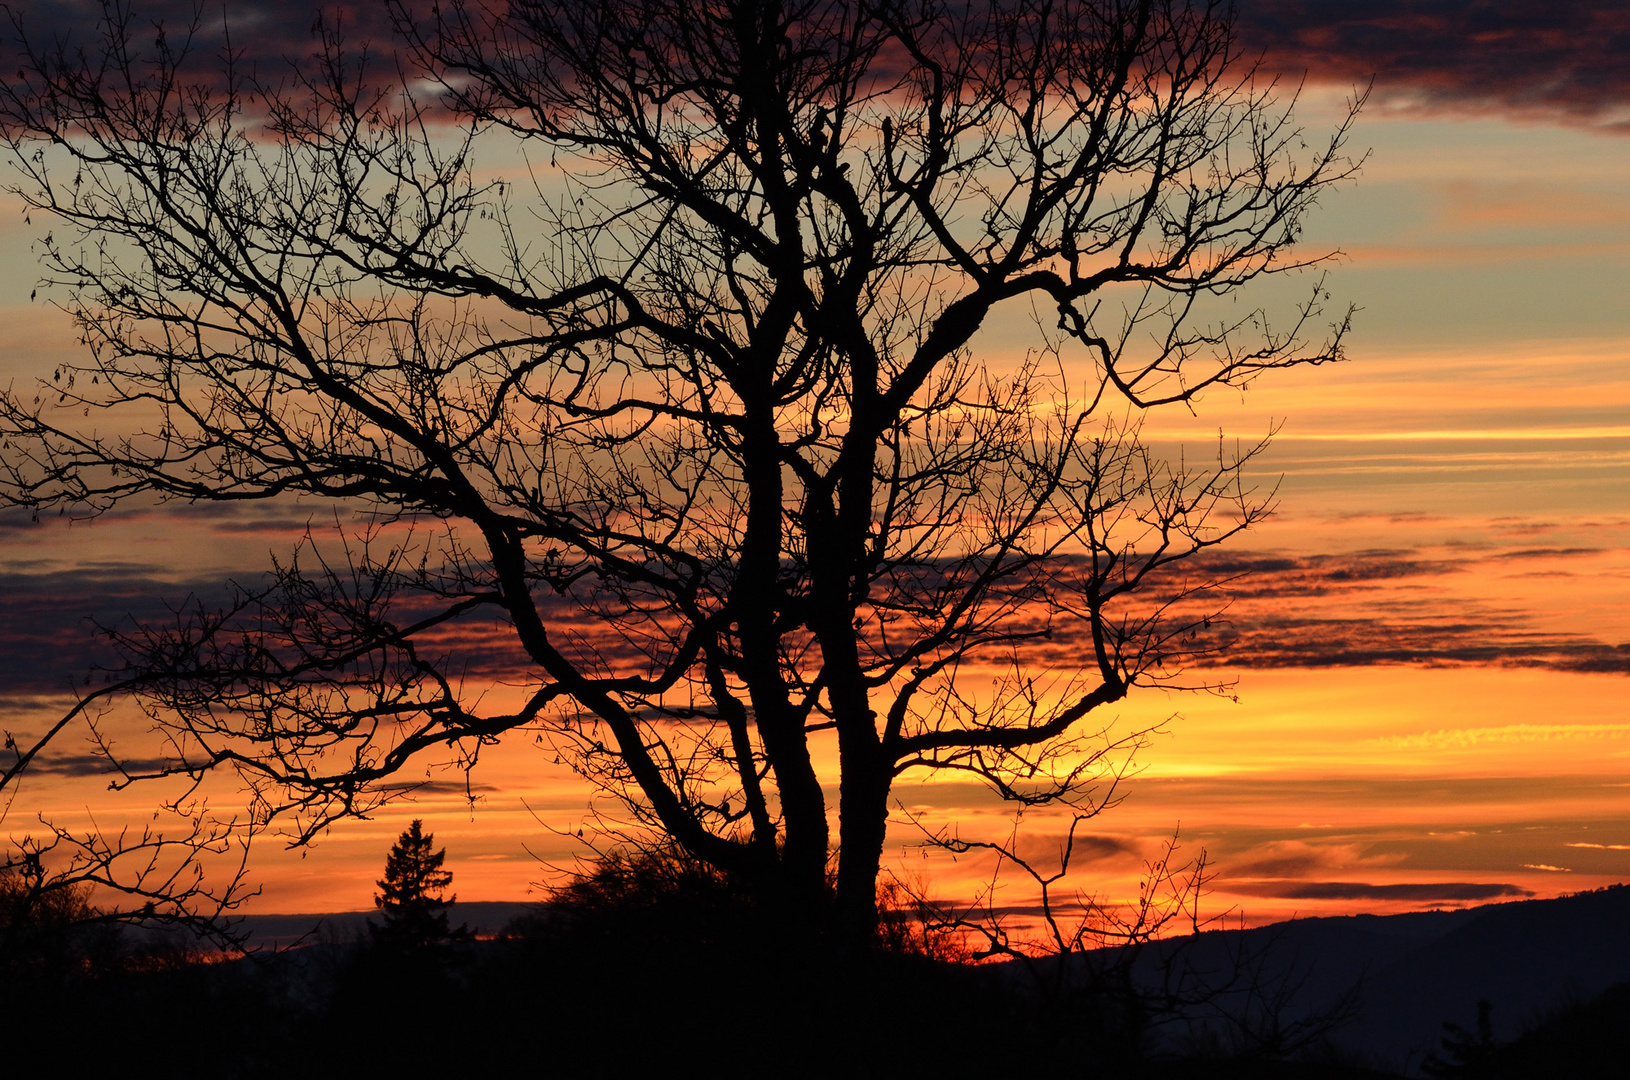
(1394, 980)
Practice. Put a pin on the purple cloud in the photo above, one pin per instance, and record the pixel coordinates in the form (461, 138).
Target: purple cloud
(1566, 59)
(1360, 610)
(1363, 609)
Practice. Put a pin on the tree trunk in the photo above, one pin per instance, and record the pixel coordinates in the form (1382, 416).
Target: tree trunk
(862, 822)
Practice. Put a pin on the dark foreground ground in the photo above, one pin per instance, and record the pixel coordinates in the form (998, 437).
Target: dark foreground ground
(526, 1008)
(670, 990)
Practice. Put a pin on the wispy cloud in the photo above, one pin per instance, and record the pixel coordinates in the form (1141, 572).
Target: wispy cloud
(1358, 609)
(1531, 434)
(1423, 607)
(1282, 859)
(1397, 607)
(1508, 733)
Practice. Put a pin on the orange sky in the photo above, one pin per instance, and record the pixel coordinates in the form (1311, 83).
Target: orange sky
(1428, 710)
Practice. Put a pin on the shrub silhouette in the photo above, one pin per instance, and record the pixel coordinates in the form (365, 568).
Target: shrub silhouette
(51, 933)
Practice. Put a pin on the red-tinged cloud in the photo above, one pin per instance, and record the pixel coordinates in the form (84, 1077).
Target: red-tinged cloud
(1567, 59)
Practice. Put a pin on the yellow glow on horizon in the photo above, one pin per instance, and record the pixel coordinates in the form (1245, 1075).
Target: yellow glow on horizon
(1479, 434)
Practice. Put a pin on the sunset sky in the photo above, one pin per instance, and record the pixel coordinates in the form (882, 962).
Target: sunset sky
(1431, 678)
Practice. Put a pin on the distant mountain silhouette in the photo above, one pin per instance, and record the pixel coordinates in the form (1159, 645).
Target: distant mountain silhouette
(484, 918)
(1399, 977)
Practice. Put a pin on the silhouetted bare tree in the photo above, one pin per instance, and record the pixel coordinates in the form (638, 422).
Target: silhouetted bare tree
(697, 409)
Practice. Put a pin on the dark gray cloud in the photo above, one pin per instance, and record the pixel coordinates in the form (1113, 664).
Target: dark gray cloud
(1363, 609)
(52, 622)
(1093, 848)
(48, 638)
(1569, 59)
(1257, 574)
(85, 764)
(1383, 607)
(1506, 640)
(1566, 59)
(1369, 608)
(1460, 891)
(438, 787)
(265, 36)
(1528, 554)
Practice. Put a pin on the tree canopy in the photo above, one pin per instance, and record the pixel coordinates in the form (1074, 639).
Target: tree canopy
(699, 406)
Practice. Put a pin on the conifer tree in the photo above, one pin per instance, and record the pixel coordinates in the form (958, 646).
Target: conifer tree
(410, 897)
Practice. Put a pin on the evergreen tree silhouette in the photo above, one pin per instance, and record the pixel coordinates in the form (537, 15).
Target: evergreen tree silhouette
(410, 897)
(1468, 1054)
